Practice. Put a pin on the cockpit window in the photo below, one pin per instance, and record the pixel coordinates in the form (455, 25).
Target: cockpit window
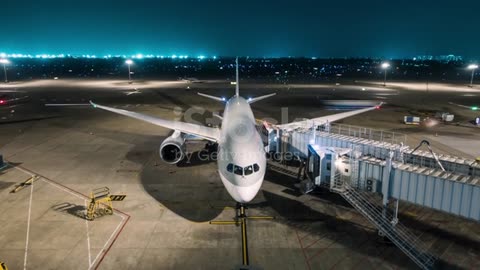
(248, 170)
(238, 170)
(256, 168)
(230, 167)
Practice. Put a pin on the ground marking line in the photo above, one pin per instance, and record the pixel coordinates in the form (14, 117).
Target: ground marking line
(77, 194)
(108, 241)
(28, 227)
(88, 241)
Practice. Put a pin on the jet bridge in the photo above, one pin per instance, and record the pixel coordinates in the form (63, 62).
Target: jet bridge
(394, 171)
(357, 164)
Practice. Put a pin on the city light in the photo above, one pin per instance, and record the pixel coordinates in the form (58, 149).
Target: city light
(105, 56)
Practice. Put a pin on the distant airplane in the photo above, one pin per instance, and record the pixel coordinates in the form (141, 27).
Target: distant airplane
(473, 108)
(241, 154)
(11, 97)
(136, 91)
(191, 80)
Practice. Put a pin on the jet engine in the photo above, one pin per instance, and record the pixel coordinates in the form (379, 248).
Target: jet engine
(172, 150)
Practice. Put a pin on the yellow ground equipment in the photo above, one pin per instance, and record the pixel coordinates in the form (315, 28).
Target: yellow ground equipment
(22, 185)
(3, 266)
(101, 203)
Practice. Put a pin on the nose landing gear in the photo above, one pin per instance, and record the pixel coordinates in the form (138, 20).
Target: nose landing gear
(241, 220)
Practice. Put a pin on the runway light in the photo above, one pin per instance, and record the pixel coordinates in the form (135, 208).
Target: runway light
(474, 108)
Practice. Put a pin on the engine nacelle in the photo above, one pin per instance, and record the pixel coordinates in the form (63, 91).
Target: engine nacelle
(172, 150)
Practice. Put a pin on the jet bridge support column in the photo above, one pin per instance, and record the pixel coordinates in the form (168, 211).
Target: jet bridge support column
(386, 178)
(278, 141)
(335, 179)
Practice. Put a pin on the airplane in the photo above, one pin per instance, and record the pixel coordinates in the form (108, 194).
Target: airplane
(472, 108)
(12, 97)
(191, 80)
(241, 154)
(134, 92)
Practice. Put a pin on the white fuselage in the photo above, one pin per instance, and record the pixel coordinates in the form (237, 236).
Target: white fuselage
(241, 155)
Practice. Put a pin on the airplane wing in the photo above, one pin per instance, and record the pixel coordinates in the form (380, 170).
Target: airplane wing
(211, 134)
(255, 99)
(324, 119)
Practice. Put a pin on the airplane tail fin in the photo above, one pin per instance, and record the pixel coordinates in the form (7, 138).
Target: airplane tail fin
(221, 99)
(252, 100)
(237, 89)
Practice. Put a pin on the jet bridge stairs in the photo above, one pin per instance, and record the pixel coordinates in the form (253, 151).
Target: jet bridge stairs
(386, 224)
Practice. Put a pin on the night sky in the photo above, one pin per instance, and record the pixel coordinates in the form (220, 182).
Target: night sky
(390, 29)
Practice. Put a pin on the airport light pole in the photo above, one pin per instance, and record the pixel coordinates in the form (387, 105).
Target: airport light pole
(385, 66)
(5, 62)
(472, 67)
(129, 62)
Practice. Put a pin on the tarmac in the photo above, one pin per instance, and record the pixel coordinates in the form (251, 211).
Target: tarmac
(163, 223)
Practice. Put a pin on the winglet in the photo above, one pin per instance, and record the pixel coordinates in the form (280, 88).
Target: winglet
(237, 89)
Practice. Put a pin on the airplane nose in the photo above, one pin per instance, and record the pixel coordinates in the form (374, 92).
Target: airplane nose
(245, 195)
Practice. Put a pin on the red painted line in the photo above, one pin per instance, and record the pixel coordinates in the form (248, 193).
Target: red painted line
(54, 182)
(303, 250)
(305, 236)
(113, 241)
(86, 197)
(316, 241)
(321, 251)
